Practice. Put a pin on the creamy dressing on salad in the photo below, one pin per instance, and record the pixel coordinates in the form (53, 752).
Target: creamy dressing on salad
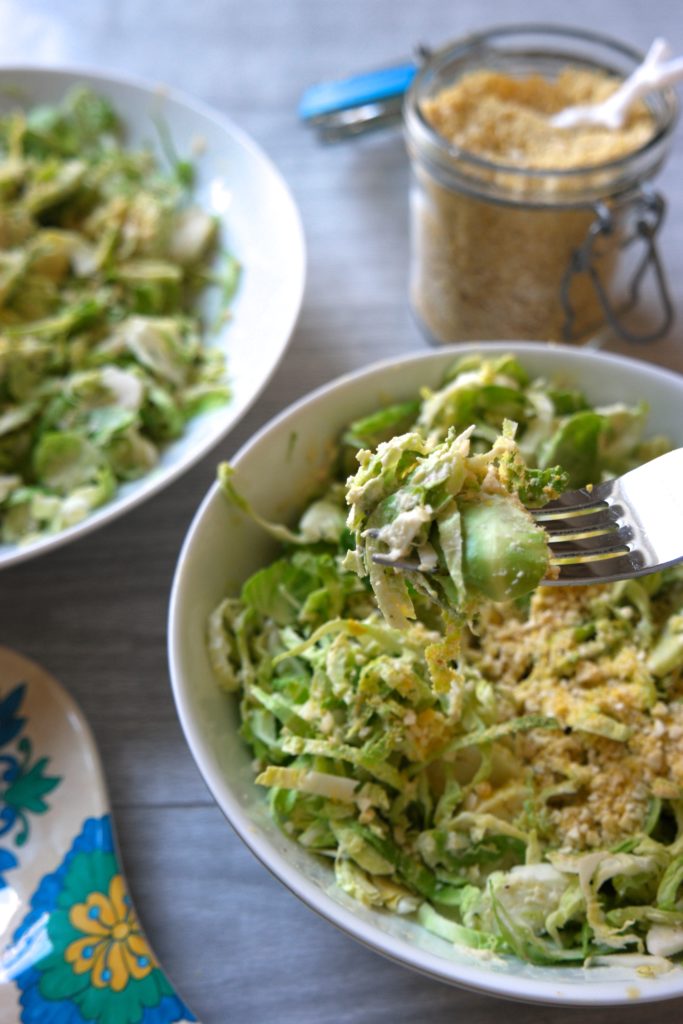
(509, 773)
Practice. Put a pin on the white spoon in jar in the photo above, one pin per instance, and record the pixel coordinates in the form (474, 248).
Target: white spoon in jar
(655, 71)
(71, 946)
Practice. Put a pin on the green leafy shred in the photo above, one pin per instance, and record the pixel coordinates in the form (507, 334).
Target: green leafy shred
(104, 256)
(452, 513)
(507, 771)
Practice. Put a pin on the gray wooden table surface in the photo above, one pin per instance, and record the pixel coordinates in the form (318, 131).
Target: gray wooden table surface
(237, 944)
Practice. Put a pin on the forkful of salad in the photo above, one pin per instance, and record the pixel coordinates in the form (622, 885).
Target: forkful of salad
(463, 526)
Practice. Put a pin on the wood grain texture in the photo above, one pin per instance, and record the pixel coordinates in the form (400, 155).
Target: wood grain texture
(238, 945)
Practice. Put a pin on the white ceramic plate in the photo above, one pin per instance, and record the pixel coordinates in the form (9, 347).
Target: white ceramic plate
(259, 223)
(222, 548)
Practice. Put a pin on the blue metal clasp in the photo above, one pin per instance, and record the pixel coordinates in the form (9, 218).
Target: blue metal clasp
(351, 106)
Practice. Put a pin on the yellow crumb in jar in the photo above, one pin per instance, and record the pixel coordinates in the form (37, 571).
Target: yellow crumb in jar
(492, 245)
(508, 120)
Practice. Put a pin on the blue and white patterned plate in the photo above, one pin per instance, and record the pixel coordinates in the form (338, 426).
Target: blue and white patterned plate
(71, 947)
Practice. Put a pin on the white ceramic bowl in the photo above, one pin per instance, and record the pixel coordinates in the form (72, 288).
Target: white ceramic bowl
(276, 471)
(260, 225)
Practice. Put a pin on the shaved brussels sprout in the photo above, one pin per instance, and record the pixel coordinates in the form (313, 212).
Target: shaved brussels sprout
(103, 256)
(505, 553)
(451, 519)
(504, 766)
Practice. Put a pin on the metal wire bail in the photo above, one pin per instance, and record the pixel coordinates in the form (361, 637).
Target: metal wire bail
(650, 208)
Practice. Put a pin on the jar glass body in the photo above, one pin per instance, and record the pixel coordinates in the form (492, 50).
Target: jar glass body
(494, 247)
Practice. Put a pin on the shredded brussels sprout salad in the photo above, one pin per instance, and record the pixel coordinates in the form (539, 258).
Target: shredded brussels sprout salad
(508, 770)
(103, 256)
(459, 511)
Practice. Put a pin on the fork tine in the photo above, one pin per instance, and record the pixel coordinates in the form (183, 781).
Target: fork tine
(585, 520)
(589, 542)
(582, 496)
(563, 533)
(597, 554)
(552, 512)
(404, 564)
(582, 501)
(600, 571)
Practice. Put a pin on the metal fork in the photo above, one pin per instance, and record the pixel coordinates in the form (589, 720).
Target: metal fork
(620, 529)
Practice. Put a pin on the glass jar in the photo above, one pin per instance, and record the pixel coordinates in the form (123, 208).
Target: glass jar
(508, 251)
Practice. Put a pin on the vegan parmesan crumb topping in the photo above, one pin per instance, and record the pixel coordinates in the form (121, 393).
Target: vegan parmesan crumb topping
(508, 770)
(507, 120)
(492, 242)
(621, 745)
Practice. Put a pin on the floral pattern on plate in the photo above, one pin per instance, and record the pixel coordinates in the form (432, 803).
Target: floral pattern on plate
(72, 950)
(88, 961)
(23, 785)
